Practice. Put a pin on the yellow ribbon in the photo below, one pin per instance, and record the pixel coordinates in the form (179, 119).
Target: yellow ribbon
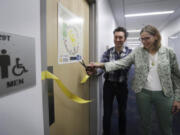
(85, 78)
(48, 75)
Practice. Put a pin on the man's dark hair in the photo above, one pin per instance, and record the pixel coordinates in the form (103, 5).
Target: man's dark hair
(121, 29)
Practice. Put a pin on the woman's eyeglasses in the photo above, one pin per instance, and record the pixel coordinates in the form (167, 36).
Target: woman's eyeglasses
(144, 39)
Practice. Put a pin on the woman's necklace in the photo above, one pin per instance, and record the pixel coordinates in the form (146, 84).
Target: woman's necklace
(153, 63)
(152, 59)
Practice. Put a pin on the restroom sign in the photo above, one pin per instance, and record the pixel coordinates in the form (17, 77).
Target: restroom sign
(17, 63)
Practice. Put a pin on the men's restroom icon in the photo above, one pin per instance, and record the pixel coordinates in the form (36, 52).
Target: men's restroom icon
(17, 70)
(4, 63)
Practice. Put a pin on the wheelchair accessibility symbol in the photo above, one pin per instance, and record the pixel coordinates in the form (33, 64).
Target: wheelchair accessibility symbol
(18, 69)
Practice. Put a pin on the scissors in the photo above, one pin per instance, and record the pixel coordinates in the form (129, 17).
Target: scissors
(83, 63)
(85, 66)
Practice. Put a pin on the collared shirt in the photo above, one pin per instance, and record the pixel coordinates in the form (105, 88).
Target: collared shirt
(112, 55)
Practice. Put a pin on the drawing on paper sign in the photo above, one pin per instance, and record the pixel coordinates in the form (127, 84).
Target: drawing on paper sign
(70, 38)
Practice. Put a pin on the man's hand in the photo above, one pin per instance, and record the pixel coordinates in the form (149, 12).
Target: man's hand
(90, 69)
(176, 107)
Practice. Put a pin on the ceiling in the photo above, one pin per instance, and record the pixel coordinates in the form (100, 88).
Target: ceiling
(122, 7)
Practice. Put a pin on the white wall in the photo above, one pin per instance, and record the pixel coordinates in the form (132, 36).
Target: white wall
(169, 30)
(21, 113)
(105, 26)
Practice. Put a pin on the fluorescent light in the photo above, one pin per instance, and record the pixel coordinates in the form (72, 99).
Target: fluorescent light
(149, 13)
(173, 37)
(132, 38)
(133, 31)
(133, 42)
